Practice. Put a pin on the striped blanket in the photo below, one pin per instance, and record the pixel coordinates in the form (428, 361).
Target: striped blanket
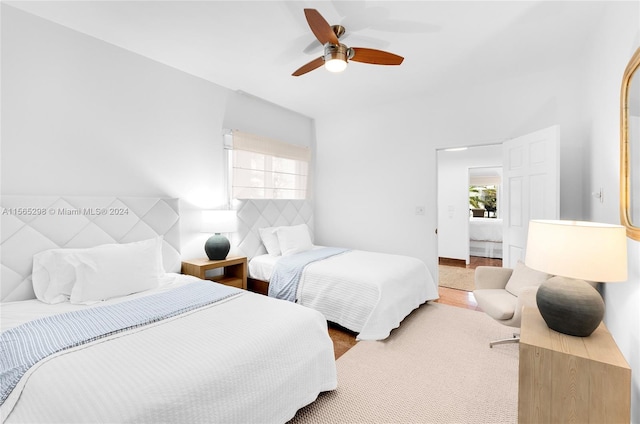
(23, 346)
(288, 270)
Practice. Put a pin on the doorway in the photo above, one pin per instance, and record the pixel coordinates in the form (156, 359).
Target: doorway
(457, 170)
(485, 203)
(530, 190)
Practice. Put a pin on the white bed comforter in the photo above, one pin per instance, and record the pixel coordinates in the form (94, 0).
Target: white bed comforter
(485, 229)
(246, 359)
(368, 293)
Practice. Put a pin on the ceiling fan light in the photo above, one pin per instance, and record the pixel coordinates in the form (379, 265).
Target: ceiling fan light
(335, 57)
(335, 65)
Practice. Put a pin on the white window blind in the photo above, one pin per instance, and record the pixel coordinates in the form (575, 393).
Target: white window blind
(262, 168)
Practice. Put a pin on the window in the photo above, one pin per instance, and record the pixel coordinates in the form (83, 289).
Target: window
(483, 199)
(263, 168)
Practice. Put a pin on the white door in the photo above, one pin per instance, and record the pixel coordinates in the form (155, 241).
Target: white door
(531, 179)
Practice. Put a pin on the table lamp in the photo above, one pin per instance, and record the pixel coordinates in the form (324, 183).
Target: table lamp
(218, 221)
(575, 251)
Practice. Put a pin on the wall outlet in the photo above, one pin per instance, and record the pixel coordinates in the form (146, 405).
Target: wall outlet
(419, 210)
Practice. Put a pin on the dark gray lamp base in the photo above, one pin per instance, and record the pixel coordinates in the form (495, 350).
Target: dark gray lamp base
(217, 247)
(570, 306)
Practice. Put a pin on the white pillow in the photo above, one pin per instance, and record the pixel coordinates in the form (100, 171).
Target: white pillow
(523, 277)
(55, 272)
(294, 239)
(270, 240)
(52, 276)
(114, 270)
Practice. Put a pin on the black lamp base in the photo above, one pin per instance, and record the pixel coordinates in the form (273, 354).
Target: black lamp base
(217, 247)
(570, 306)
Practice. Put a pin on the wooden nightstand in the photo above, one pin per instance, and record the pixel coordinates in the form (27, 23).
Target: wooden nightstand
(235, 270)
(570, 379)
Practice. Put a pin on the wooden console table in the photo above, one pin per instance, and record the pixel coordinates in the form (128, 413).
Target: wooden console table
(567, 379)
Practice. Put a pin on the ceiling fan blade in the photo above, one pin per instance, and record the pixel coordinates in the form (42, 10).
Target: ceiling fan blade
(315, 63)
(320, 27)
(376, 57)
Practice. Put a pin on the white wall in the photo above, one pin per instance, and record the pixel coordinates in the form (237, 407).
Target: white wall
(453, 196)
(83, 117)
(614, 45)
(375, 165)
(267, 119)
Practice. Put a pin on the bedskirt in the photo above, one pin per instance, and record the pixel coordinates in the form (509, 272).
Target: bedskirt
(485, 249)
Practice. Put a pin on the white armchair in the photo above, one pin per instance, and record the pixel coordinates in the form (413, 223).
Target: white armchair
(503, 292)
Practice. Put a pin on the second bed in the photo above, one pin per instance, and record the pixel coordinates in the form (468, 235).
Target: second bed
(366, 292)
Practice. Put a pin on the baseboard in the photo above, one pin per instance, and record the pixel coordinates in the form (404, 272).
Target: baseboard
(452, 262)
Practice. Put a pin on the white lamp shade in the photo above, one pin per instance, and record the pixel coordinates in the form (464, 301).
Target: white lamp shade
(583, 250)
(219, 221)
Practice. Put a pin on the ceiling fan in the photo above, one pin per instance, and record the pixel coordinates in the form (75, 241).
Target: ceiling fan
(336, 55)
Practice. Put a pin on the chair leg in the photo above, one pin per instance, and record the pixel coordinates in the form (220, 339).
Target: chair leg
(514, 339)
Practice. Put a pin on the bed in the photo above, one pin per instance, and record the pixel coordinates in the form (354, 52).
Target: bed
(485, 237)
(368, 293)
(214, 354)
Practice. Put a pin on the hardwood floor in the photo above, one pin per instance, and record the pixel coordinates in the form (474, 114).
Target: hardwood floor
(343, 339)
(476, 261)
(459, 298)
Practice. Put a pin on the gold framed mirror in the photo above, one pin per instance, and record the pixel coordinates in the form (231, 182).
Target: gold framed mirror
(630, 148)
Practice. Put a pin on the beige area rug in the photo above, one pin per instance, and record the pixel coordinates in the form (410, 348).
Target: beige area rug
(456, 277)
(437, 367)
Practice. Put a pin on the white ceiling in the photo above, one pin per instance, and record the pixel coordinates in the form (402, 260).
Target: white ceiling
(254, 46)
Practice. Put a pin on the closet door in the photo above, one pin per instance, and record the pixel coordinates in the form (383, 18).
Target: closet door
(531, 179)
